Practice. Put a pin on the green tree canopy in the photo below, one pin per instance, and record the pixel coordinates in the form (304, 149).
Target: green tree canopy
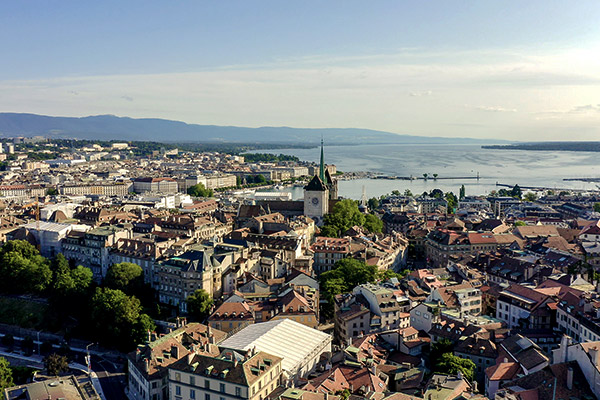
(516, 192)
(452, 201)
(530, 196)
(520, 223)
(124, 276)
(436, 194)
(23, 269)
(408, 193)
(82, 278)
(56, 364)
(373, 203)
(199, 190)
(6, 378)
(451, 364)
(597, 207)
(345, 275)
(345, 214)
(373, 224)
(462, 192)
(199, 304)
(113, 317)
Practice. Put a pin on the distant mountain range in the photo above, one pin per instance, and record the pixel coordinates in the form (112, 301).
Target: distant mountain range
(110, 127)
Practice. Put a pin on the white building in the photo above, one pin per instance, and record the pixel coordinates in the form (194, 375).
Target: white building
(587, 356)
(298, 345)
(49, 235)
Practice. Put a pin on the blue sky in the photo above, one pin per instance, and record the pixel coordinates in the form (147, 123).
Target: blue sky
(507, 69)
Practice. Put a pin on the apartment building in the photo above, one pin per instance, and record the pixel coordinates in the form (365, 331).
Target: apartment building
(523, 307)
(463, 298)
(155, 185)
(92, 248)
(384, 303)
(230, 376)
(103, 189)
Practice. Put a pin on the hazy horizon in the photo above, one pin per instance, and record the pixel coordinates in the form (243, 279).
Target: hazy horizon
(513, 70)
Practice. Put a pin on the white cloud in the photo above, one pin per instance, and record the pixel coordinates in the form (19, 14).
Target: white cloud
(495, 109)
(420, 94)
(370, 92)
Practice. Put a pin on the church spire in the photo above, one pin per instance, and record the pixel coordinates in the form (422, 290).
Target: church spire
(322, 165)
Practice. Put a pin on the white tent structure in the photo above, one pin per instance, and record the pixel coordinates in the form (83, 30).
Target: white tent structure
(299, 345)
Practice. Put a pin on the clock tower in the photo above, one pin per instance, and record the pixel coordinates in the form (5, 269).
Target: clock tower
(316, 195)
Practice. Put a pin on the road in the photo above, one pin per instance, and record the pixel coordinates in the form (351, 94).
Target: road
(110, 375)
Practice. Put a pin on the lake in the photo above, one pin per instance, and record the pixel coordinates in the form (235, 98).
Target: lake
(525, 168)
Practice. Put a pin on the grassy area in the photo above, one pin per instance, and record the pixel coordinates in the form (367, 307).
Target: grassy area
(24, 313)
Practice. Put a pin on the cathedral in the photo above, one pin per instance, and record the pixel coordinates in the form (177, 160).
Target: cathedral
(319, 193)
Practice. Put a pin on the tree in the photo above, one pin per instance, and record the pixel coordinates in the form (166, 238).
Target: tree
(435, 176)
(51, 192)
(345, 275)
(82, 279)
(198, 190)
(436, 194)
(142, 326)
(408, 193)
(388, 274)
(6, 378)
(520, 223)
(23, 269)
(425, 176)
(56, 364)
(62, 280)
(462, 193)
(452, 201)
(113, 315)
(199, 304)
(373, 224)
(395, 193)
(440, 347)
(451, 364)
(373, 203)
(124, 276)
(516, 192)
(597, 207)
(530, 196)
(345, 215)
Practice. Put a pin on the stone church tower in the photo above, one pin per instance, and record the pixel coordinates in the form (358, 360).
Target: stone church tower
(318, 192)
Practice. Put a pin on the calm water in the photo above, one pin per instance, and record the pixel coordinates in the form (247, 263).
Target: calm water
(526, 168)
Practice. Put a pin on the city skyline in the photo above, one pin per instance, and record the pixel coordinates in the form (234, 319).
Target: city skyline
(507, 71)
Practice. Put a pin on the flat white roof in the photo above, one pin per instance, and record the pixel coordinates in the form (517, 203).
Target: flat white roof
(284, 338)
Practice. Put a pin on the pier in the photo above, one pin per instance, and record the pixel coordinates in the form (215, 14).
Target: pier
(547, 188)
(413, 178)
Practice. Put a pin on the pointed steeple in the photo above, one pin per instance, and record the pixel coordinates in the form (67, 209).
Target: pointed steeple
(322, 165)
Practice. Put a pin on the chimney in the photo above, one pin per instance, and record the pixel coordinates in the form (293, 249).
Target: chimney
(570, 378)
(190, 357)
(326, 396)
(138, 354)
(593, 354)
(147, 365)
(149, 336)
(374, 369)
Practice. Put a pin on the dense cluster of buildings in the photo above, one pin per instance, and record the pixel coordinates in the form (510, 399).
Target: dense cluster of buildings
(510, 285)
